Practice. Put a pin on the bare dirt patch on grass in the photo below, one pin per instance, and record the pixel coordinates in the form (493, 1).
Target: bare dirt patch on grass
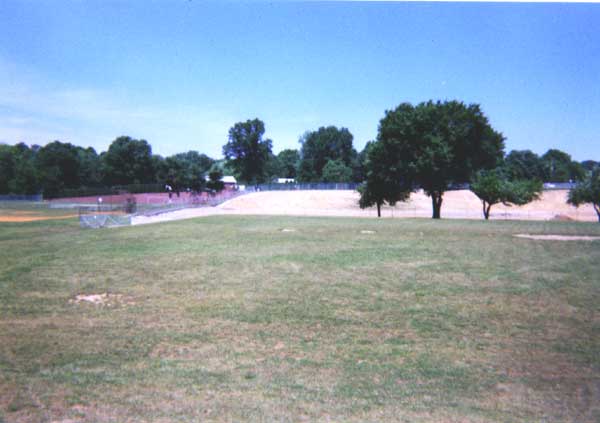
(559, 237)
(29, 218)
(104, 299)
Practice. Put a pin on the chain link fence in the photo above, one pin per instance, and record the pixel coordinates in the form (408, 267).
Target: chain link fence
(305, 186)
(118, 210)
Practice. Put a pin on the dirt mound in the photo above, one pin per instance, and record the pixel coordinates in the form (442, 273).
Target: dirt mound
(461, 204)
(457, 204)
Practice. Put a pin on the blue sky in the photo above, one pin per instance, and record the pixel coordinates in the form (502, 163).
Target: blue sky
(180, 73)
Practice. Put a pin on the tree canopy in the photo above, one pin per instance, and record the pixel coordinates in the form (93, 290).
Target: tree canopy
(128, 161)
(558, 167)
(288, 161)
(436, 144)
(247, 151)
(185, 170)
(321, 146)
(385, 182)
(553, 166)
(58, 167)
(336, 171)
(524, 164)
(493, 187)
(590, 165)
(587, 192)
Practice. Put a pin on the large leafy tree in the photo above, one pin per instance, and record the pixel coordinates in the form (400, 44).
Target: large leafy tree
(273, 168)
(336, 171)
(26, 178)
(587, 191)
(590, 165)
(385, 182)
(288, 161)
(89, 167)
(524, 164)
(58, 165)
(558, 167)
(185, 170)
(493, 187)
(321, 146)
(128, 161)
(359, 171)
(7, 167)
(438, 144)
(247, 152)
(19, 173)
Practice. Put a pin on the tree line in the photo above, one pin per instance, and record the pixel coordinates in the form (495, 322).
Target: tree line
(433, 145)
(58, 168)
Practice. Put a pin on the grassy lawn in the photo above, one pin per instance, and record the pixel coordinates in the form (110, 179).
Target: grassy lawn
(234, 319)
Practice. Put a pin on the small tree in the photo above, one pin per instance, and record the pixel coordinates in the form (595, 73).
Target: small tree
(493, 188)
(382, 183)
(587, 191)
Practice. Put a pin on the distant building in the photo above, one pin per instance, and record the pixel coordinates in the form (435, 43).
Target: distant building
(229, 181)
(285, 180)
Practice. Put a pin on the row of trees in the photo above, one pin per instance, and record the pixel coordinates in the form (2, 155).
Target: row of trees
(326, 155)
(433, 145)
(57, 167)
(439, 145)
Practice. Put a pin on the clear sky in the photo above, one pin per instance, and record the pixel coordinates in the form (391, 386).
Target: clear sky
(180, 73)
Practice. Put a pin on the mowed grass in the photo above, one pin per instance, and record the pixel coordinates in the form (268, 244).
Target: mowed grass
(234, 319)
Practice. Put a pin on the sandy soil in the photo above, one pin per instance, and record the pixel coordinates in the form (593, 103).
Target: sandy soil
(104, 299)
(457, 204)
(559, 237)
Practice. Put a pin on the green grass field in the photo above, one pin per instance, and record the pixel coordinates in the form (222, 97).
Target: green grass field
(234, 319)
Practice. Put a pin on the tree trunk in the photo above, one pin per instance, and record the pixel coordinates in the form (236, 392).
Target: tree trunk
(597, 208)
(378, 209)
(436, 202)
(486, 210)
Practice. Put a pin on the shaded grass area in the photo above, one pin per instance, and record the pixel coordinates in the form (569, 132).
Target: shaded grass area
(229, 318)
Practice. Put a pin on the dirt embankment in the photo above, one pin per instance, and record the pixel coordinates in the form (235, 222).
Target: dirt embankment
(457, 204)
